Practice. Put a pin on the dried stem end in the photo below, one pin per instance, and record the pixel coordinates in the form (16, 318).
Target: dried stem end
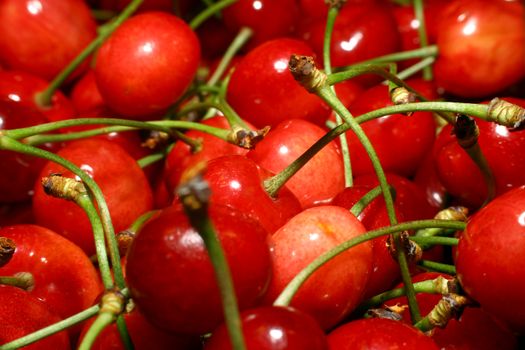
(335, 3)
(466, 131)
(113, 302)
(450, 306)
(306, 73)
(389, 312)
(413, 251)
(156, 139)
(455, 213)
(507, 114)
(246, 138)
(124, 240)
(59, 186)
(194, 193)
(7, 249)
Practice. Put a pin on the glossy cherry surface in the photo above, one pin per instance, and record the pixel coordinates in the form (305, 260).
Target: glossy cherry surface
(85, 96)
(273, 328)
(167, 52)
(263, 91)
(488, 254)
(337, 287)
(181, 294)
(122, 182)
(42, 36)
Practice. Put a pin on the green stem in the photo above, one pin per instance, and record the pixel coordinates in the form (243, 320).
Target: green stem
(40, 139)
(413, 69)
(291, 289)
(210, 11)
(422, 32)
(141, 221)
(438, 267)
(44, 98)
(429, 242)
(150, 159)
(22, 280)
(101, 322)
(358, 208)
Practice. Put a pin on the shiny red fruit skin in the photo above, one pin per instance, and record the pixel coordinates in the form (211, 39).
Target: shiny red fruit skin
(269, 19)
(65, 278)
(263, 91)
(320, 179)
(271, 328)
(189, 300)
(486, 35)
(318, 10)
(488, 256)
(167, 52)
(85, 96)
(337, 287)
(378, 334)
(122, 182)
(22, 314)
(42, 36)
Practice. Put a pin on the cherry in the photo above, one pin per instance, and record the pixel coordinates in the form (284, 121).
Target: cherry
(427, 179)
(165, 48)
(263, 91)
(258, 15)
(123, 183)
(378, 334)
(337, 287)
(16, 213)
(181, 294)
(472, 37)
(312, 10)
(320, 179)
(64, 277)
(85, 96)
(147, 5)
(42, 36)
(488, 254)
(22, 314)
(268, 328)
(214, 38)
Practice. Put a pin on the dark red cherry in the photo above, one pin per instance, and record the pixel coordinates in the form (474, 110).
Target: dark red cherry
(427, 179)
(181, 293)
(263, 91)
(16, 213)
(41, 37)
(320, 179)
(488, 257)
(214, 38)
(85, 96)
(272, 328)
(472, 38)
(122, 182)
(168, 52)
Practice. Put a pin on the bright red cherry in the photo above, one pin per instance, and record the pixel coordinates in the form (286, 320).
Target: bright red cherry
(378, 334)
(272, 328)
(488, 257)
(336, 288)
(85, 96)
(167, 52)
(181, 293)
(320, 179)
(42, 36)
(312, 10)
(472, 38)
(122, 182)
(263, 91)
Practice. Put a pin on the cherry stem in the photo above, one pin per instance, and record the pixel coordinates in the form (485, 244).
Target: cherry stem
(210, 11)
(438, 267)
(194, 195)
(44, 98)
(291, 289)
(422, 32)
(415, 68)
(358, 207)
(429, 242)
(457, 213)
(333, 11)
(7, 143)
(22, 280)
(438, 285)
(151, 159)
(450, 306)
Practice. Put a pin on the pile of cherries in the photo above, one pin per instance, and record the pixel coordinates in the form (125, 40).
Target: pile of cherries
(169, 178)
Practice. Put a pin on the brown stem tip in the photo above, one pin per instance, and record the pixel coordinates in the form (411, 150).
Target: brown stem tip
(59, 186)
(7, 249)
(466, 131)
(246, 138)
(413, 251)
(507, 114)
(306, 73)
(335, 3)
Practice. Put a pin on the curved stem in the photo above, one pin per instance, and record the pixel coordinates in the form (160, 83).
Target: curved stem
(289, 291)
(44, 98)
(438, 267)
(209, 11)
(422, 32)
(358, 208)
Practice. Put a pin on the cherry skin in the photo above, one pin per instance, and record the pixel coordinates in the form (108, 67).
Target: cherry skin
(478, 34)
(312, 10)
(378, 334)
(189, 300)
(22, 314)
(85, 96)
(427, 179)
(64, 277)
(320, 179)
(263, 91)
(41, 37)
(337, 287)
(122, 182)
(147, 5)
(272, 328)
(487, 256)
(165, 48)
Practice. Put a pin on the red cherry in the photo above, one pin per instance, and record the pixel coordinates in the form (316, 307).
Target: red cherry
(427, 178)
(64, 277)
(488, 257)
(320, 179)
(263, 91)
(378, 334)
(269, 328)
(165, 48)
(85, 96)
(214, 38)
(147, 5)
(335, 289)
(472, 38)
(318, 9)
(181, 294)
(123, 183)
(22, 314)
(42, 36)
